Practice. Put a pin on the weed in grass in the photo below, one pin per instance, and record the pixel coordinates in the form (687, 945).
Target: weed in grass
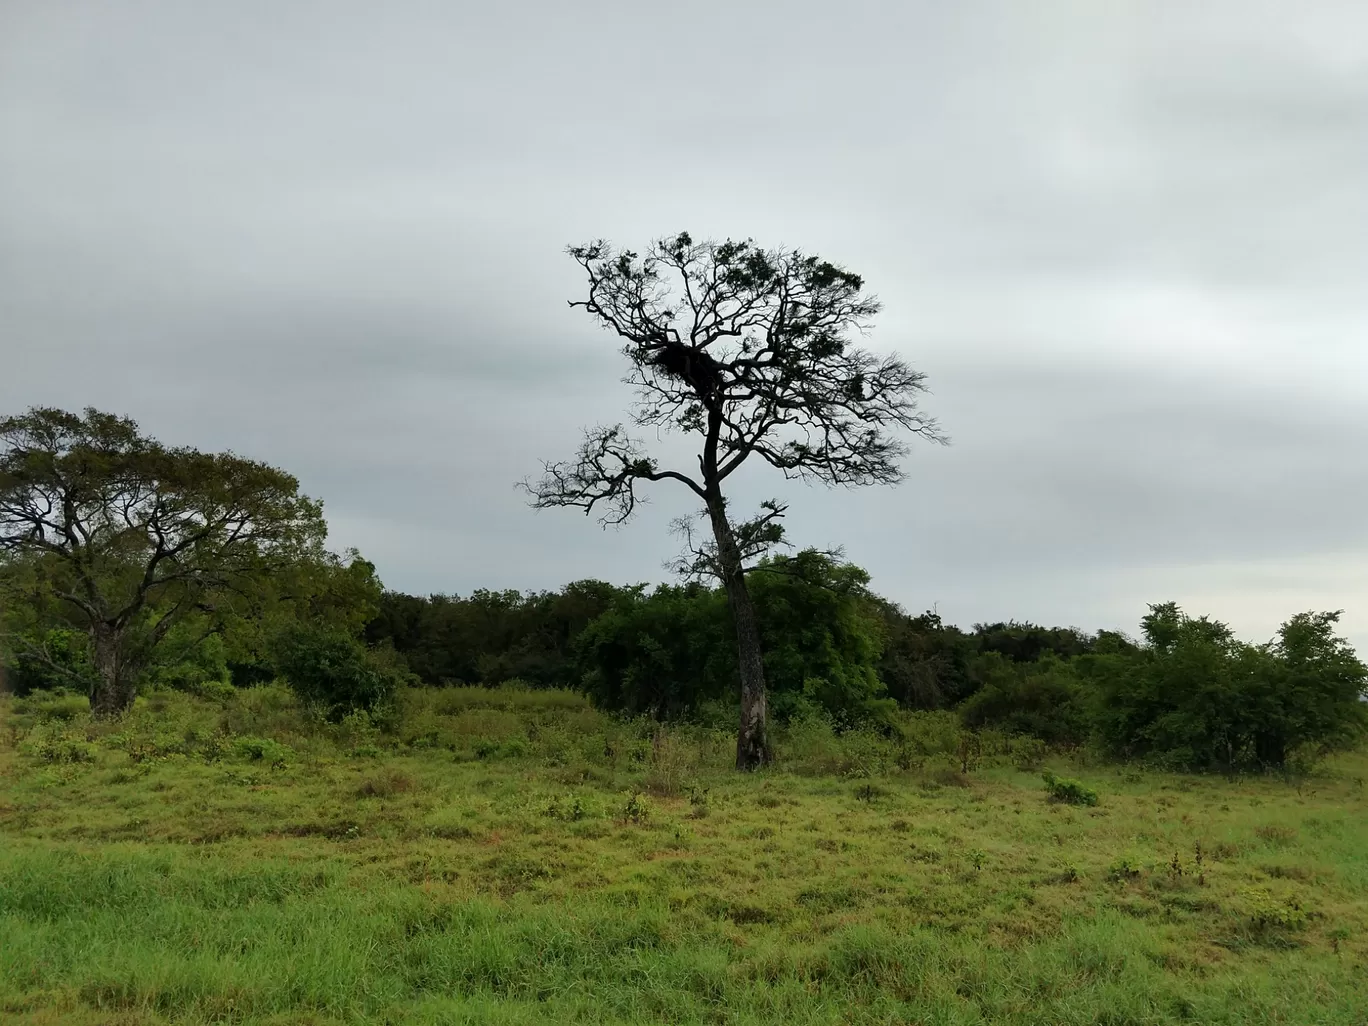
(670, 764)
(1125, 868)
(386, 784)
(698, 802)
(1070, 792)
(1275, 834)
(1029, 753)
(636, 809)
(1273, 916)
(947, 776)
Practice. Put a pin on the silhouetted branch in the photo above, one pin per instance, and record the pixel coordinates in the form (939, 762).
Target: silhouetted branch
(603, 476)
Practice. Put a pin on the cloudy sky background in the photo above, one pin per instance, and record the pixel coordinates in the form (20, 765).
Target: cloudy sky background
(1127, 241)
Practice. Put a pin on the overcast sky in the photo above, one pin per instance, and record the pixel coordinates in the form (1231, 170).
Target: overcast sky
(1127, 241)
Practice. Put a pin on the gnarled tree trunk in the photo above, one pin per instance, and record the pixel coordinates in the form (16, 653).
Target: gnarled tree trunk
(112, 691)
(752, 739)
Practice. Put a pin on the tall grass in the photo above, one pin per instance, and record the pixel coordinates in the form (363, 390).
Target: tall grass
(519, 857)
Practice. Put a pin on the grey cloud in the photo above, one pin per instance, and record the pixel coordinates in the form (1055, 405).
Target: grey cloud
(1128, 246)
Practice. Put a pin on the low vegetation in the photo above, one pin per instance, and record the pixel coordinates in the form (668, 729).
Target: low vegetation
(518, 856)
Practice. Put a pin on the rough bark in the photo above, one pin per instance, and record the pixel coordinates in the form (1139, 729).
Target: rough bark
(113, 690)
(752, 738)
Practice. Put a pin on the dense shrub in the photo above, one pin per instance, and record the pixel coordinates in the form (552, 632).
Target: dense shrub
(1044, 699)
(821, 640)
(672, 652)
(333, 672)
(662, 653)
(924, 663)
(493, 636)
(1196, 698)
(200, 668)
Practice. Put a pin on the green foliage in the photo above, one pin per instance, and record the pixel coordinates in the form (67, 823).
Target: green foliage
(924, 664)
(493, 636)
(662, 653)
(1044, 699)
(1270, 915)
(58, 704)
(1198, 698)
(338, 593)
(636, 809)
(821, 639)
(1028, 753)
(333, 672)
(201, 665)
(51, 659)
(51, 742)
(260, 749)
(1070, 792)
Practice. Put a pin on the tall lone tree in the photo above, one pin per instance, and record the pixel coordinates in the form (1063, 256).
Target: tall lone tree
(751, 351)
(131, 537)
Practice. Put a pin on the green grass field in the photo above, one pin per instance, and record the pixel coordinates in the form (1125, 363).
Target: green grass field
(520, 858)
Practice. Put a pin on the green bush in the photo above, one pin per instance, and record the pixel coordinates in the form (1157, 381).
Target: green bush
(1043, 699)
(260, 749)
(1028, 753)
(1068, 791)
(672, 653)
(333, 672)
(51, 743)
(1267, 914)
(37, 706)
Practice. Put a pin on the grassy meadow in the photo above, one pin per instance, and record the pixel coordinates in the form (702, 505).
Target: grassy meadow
(518, 857)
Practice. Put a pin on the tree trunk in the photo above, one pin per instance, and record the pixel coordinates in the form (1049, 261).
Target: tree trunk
(752, 739)
(112, 692)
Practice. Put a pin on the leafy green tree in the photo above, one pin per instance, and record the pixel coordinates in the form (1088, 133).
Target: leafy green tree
(749, 351)
(1196, 697)
(338, 592)
(1315, 695)
(666, 653)
(925, 662)
(490, 637)
(822, 638)
(131, 538)
(1027, 642)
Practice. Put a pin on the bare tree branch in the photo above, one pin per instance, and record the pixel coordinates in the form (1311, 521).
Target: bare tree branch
(602, 477)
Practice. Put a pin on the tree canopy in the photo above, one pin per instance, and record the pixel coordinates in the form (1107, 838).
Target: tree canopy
(129, 538)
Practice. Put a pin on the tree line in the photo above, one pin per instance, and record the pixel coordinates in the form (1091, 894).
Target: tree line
(1186, 693)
